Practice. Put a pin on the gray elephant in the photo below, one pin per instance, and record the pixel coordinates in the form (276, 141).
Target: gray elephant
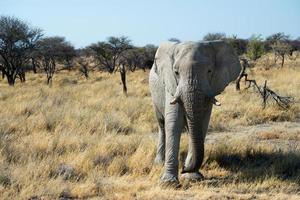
(184, 80)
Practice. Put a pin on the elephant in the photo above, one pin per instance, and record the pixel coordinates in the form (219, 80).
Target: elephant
(184, 80)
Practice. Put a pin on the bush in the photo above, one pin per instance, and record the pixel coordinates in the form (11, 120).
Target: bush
(255, 48)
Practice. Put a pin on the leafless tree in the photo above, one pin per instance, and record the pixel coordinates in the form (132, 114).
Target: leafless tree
(280, 45)
(281, 49)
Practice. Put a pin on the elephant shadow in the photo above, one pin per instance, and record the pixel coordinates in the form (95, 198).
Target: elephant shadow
(257, 166)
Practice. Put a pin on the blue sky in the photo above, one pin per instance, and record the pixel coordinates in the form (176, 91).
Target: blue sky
(83, 22)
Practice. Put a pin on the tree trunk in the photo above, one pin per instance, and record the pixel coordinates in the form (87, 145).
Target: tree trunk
(22, 77)
(282, 60)
(3, 74)
(10, 79)
(33, 65)
(242, 74)
(123, 78)
(86, 74)
(49, 80)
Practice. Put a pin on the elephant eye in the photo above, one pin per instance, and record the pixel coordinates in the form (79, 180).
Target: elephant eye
(209, 71)
(176, 72)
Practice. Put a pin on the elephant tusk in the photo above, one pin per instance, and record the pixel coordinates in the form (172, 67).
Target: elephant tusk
(176, 96)
(215, 101)
(174, 101)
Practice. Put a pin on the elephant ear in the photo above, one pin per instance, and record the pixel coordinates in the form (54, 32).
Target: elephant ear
(164, 62)
(227, 66)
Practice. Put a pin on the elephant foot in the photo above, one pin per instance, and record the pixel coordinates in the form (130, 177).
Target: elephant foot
(169, 181)
(192, 176)
(159, 160)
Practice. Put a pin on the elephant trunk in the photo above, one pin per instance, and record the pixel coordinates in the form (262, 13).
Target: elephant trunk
(196, 106)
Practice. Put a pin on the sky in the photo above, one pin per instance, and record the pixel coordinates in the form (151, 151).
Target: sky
(83, 22)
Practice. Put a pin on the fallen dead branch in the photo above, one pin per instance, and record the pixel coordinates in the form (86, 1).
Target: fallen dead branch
(264, 91)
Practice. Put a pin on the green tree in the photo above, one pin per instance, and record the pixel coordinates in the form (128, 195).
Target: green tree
(239, 45)
(17, 41)
(107, 54)
(214, 36)
(53, 50)
(255, 47)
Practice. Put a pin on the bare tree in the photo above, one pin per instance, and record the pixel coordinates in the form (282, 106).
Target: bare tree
(272, 39)
(17, 40)
(281, 49)
(281, 45)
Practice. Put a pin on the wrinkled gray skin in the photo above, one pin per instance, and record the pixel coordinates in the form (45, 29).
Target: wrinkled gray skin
(184, 80)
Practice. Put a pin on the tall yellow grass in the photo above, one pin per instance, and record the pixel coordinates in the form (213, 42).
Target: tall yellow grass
(84, 139)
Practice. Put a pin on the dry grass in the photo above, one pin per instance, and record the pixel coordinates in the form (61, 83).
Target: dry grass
(84, 139)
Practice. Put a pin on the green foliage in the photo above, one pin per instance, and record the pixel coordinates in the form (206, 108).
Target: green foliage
(107, 53)
(239, 45)
(57, 48)
(255, 48)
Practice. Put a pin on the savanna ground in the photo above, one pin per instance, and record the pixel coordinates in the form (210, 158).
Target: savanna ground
(83, 139)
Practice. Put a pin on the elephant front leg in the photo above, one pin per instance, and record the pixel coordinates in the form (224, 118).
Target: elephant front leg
(195, 154)
(173, 128)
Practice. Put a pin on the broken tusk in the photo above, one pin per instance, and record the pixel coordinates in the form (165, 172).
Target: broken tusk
(216, 102)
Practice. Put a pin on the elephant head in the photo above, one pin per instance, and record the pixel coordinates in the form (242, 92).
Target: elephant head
(196, 74)
(203, 69)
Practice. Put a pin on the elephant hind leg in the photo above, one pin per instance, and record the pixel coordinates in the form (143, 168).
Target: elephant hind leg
(161, 140)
